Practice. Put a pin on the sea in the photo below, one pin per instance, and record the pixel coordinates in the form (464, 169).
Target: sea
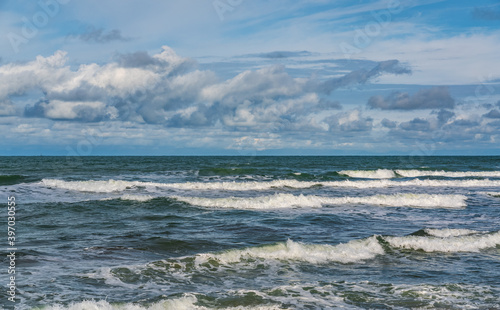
(250, 232)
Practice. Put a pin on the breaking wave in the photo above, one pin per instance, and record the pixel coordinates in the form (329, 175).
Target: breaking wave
(353, 251)
(450, 241)
(288, 200)
(188, 302)
(414, 173)
(448, 232)
(119, 185)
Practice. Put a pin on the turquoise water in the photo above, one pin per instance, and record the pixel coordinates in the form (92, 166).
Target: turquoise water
(254, 232)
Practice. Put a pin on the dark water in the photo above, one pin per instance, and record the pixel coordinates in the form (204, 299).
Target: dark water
(253, 232)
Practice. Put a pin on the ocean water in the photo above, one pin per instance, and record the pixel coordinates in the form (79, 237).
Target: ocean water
(253, 232)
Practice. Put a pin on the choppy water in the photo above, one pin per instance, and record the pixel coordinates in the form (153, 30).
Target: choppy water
(254, 232)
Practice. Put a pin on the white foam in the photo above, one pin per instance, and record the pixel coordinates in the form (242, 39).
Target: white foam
(281, 200)
(448, 174)
(140, 198)
(188, 302)
(369, 174)
(91, 186)
(414, 173)
(353, 251)
(448, 232)
(451, 244)
(117, 185)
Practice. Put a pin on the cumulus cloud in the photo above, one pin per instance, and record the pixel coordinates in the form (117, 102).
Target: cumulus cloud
(352, 121)
(432, 98)
(168, 90)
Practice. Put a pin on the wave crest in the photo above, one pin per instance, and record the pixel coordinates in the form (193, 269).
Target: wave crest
(454, 242)
(118, 185)
(281, 200)
(414, 173)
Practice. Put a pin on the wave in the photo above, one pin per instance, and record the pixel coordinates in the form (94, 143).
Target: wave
(187, 302)
(354, 251)
(350, 252)
(288, 200)
(448, 232)
(140, 198)
(225, 171)
(92, 186)
(414, 173)
(13, 179)
(359, 250)
(447, 241)
(369, 174)
(118, 185)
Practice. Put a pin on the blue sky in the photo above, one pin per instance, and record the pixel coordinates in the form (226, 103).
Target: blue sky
(240, 77)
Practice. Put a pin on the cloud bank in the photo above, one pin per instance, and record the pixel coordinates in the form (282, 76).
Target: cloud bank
(169, 90)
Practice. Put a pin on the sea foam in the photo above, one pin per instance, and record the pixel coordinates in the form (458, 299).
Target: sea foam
(350, 252)
(449, 232)
(119, 185)
(414, 173)
(281, 200)
(188, 302)
(447, 241)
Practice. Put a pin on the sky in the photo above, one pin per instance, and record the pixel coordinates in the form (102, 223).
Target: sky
(241, 77)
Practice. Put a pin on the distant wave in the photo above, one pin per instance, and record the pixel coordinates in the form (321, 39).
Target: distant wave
(493, 194)
(413, 173)
(118, 185)
(13, 179)
(288, 200)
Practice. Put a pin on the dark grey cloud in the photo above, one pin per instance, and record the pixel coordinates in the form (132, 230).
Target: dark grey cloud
(465, 123)
(492, 114)
(444, 115)
(36, 110)
(99, 35)
(388, 123)
(201, 117)
(142, 59)
(416, 124)
(82, 112)
(362, 76)
(138, 60)
(364, 124)
(432, 98)
(325, 104)
(486, 13)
